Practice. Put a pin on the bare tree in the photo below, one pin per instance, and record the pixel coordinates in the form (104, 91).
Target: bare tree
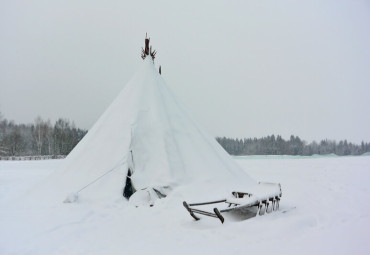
(37, 134)
(42, 136)
(14, 141)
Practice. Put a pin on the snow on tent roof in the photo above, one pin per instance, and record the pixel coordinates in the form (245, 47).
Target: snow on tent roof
(148, 132)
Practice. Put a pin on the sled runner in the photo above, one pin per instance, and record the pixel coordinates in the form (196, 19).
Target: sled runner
(265, 195)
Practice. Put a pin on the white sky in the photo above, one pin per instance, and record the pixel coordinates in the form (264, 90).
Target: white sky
(243, 68)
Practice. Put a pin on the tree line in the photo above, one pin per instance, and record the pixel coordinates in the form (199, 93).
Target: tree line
(43, 138)
(39, 137)
(276, 145)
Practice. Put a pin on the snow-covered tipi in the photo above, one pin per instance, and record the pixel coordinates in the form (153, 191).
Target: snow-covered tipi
(147, 145)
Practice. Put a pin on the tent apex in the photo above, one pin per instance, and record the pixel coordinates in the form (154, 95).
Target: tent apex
(148, 49)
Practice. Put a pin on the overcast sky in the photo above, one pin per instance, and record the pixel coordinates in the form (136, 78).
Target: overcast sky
(243, 68)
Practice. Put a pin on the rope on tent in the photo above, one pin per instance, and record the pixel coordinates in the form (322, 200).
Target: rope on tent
(73, 197)
(114, 168)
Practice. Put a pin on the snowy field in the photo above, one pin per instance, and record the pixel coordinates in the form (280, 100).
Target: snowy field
(325, 209)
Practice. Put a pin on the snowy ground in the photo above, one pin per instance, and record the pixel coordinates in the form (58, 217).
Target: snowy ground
(325, 209)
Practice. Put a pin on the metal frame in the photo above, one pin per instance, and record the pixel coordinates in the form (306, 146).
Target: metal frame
(262, 205)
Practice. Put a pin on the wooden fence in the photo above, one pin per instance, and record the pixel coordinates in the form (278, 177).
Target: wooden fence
(21, 158)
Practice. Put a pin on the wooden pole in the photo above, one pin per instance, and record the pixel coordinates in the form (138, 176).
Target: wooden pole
(148, 49)
(147, 40)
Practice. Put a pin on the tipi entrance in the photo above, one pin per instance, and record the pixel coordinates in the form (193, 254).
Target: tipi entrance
(129, 188)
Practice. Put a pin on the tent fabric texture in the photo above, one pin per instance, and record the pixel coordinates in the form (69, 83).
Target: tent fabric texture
(146, 146)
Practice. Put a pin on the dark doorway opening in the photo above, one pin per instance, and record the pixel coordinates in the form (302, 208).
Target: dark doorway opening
(129, 189)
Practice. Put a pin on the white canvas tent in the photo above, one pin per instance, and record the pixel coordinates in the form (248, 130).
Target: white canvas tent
(147, 134)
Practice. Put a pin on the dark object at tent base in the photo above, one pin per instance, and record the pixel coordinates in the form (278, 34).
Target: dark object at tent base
(129, 189)
(263, 205)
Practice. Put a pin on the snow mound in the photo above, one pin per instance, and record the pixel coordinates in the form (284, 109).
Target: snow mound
(71, 198)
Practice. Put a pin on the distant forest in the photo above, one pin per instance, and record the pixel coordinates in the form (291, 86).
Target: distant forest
(38, 138)
(276, 145)
(43, 138)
